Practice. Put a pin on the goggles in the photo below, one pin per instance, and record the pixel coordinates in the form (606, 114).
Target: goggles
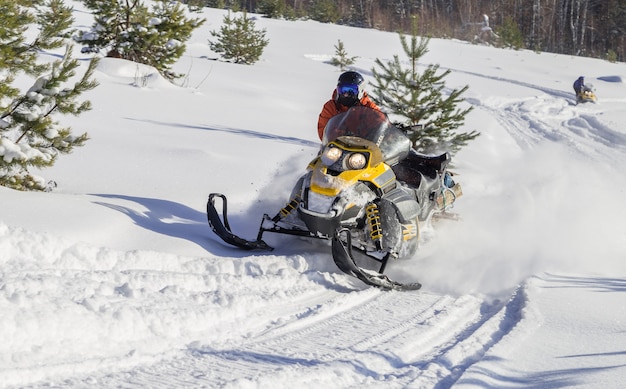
(348, 90)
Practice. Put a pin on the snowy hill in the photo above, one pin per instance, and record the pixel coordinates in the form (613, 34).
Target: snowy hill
(114, 279)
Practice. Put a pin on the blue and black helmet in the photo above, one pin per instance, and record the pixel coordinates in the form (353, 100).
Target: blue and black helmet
(350, 88)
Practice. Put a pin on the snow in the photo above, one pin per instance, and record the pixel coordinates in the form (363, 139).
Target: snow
(114, 279)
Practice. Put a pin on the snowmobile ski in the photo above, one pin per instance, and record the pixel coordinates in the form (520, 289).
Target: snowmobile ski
(221, 227)
(342, 255)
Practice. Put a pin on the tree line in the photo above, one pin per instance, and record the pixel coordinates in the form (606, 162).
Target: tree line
(593, 28)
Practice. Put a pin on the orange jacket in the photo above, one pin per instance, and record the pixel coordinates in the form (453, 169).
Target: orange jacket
(332, 108)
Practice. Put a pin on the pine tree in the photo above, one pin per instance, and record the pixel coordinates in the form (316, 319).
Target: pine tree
(130, 30)
(29, 134)
(419, 99)
(341, 58)
(271, 8)
(238, 40)
(510, 34)
(325, 11)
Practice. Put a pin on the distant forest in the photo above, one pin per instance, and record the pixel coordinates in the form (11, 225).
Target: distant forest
(592, 28)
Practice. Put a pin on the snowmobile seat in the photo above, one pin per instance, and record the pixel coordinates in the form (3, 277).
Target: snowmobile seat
(437, 162)
(409, 169)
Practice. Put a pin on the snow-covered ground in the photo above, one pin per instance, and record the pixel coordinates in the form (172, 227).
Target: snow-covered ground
(114, 279)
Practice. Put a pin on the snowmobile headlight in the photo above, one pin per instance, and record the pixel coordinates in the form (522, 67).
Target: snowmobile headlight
(356, 161)
(331, 155)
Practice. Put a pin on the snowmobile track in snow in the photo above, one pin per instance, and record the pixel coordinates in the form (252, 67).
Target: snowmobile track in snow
(580, 127)
(428, 341)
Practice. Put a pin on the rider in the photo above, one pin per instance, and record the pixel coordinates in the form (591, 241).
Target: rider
(579, 84)
(350, 91)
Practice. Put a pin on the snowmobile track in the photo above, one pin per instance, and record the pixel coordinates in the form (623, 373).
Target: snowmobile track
(429, 340)
(582, 130)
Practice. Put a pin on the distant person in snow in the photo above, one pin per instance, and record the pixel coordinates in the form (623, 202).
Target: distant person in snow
(579, 84)
(350, 91)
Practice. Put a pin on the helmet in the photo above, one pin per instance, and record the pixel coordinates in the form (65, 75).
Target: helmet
(350, 88)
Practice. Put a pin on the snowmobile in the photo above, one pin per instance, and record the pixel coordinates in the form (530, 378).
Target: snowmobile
(366, 191)
(587, 95)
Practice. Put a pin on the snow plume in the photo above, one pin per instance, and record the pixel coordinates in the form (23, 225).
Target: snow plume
(533, 217)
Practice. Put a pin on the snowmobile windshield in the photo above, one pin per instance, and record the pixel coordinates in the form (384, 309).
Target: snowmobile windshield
(372, 125)
(589, 87)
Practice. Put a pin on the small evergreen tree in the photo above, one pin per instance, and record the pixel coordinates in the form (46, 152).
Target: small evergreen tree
(271, 8)
(325, 11)
(238, 40)
(341, 58)
(419, 99)
(130, 30)
(29, 134)
(510, 34)
(611, 56)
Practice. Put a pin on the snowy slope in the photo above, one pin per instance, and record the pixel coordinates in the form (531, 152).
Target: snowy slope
(115, 279)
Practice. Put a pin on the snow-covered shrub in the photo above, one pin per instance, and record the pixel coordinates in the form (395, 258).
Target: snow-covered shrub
(131, 30)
